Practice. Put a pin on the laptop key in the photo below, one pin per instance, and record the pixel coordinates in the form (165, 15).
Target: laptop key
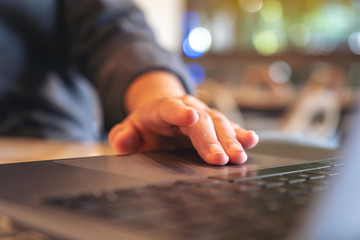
(295, 177)
(296, 189)
(318, 185)
(250, 185)
(332, 171)
(272, 182)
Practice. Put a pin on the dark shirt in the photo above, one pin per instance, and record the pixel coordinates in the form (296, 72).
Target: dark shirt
(65, 65)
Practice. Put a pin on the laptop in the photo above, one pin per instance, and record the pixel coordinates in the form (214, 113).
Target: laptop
(175, 195)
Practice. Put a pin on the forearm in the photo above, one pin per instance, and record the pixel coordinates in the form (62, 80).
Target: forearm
(112, 45)
(152, 85)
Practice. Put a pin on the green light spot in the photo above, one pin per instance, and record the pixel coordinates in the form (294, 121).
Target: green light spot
(266, 42)
(271, 11)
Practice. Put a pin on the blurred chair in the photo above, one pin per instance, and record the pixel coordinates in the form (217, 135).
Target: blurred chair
(316, 111)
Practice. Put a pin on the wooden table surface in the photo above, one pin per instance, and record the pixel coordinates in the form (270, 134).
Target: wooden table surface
(28, 149)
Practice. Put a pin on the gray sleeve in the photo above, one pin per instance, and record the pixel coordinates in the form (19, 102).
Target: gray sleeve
(111, 44)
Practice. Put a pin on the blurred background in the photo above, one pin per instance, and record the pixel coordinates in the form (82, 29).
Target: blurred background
(288, 68)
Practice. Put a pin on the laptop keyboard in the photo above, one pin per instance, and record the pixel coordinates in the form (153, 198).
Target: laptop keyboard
(258, 205)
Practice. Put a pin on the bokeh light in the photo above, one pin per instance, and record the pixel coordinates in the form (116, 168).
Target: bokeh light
(320, 44)
(200, 39)
(280, 72)
(251, 5)
(299, 35)
(329, 26)
(334, 20)
(197, 42)
(266, 42)
(271, 10)
(188, 51)
(272, 26)
(354, 42)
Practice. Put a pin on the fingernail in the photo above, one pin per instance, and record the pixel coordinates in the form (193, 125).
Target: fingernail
(252, 132)
(219, 157)
(244, 157)
(235, 147)
(216, 149)
(254, 135)
(237, 154)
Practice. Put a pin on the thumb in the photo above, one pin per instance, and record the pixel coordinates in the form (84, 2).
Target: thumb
(124, 138)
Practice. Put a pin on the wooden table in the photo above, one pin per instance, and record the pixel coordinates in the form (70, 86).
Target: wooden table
(29, 149)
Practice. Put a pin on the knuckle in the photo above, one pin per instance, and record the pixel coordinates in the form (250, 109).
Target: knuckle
(162, 101)
(235, 125)
(194, 102)
(187, 98)
(204, 115)
(218, 117)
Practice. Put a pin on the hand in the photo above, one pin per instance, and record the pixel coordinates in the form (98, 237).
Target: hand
(170, 122)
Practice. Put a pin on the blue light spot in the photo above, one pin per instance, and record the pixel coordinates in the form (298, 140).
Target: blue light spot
(188, 51)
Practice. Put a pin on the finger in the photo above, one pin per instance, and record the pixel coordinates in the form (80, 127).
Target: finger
(124, 138)
(113, 131)
(247, 138)
(204, 139)
(173, 111)
(227, 137)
